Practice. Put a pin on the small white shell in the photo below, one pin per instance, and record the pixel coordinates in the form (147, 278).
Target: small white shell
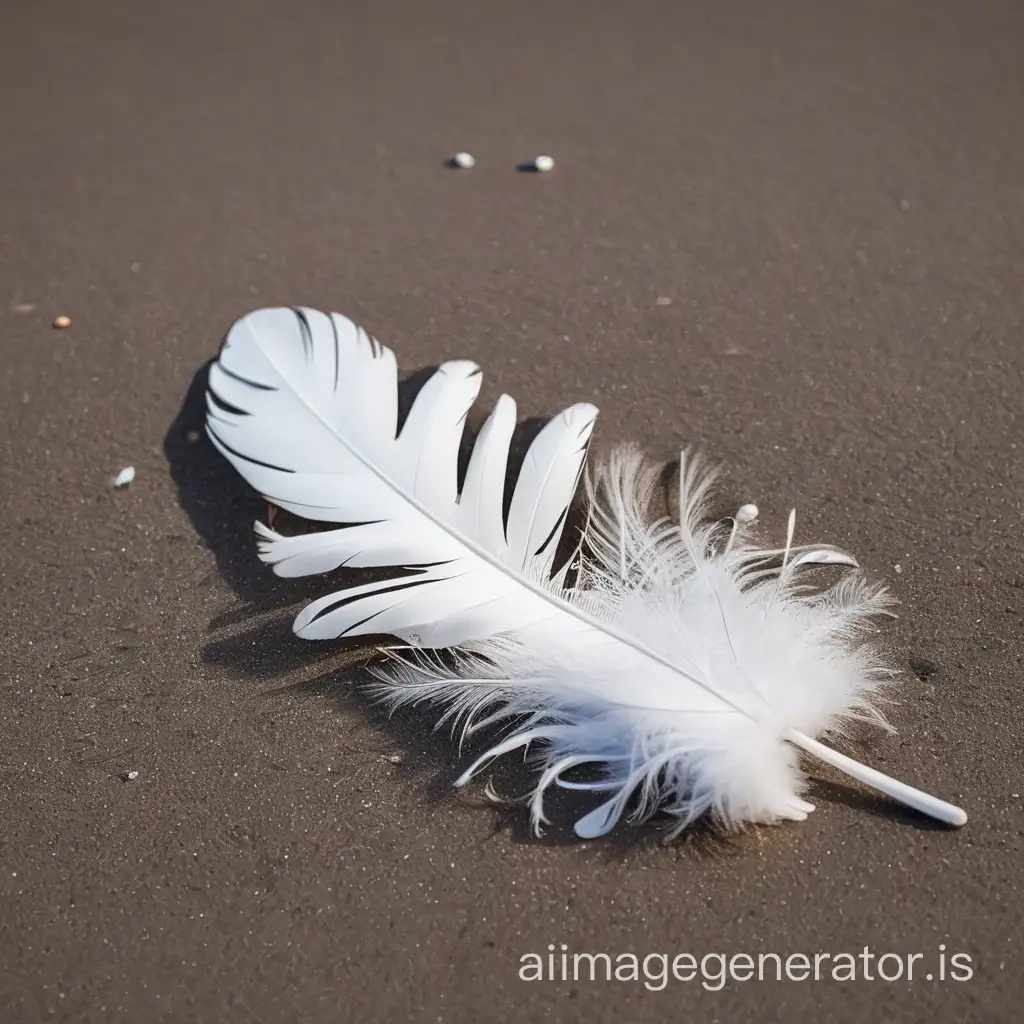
(125, 477)
(544, 163)
(464, 160)
(746, 513)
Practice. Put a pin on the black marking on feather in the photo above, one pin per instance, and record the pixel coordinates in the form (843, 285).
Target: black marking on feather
(248, 458)
(225, 406)
(378, 348)
(475, 373)
(584, 452)
(343, 601)
(562, 553)
(337, 354)
(356, 625)
(554, 531)
(245, 380)
(327, 525)
(305, 333)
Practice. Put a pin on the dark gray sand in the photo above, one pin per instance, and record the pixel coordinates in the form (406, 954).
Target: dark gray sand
(791, 234)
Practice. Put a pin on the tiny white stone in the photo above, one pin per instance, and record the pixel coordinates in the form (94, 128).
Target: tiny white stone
(464, 160)
(897, 568)
(544, 163)
(125, 477)
(746, 513)
(133, 775)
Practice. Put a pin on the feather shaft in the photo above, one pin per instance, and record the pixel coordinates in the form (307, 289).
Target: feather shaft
(927, 804)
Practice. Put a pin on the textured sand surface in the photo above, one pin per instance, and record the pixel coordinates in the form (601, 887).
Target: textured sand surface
(831, 196)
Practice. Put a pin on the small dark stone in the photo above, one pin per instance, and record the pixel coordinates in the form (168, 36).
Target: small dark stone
(923, 668)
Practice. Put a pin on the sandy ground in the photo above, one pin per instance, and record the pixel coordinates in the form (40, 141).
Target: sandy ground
(791, 234)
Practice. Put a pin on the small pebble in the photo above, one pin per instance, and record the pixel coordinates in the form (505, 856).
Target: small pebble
(464, 160)
(663, 300)
(897, 568)
(125, 477)
(133, 775)
(544, 163)
(747, 513)
(62, 322)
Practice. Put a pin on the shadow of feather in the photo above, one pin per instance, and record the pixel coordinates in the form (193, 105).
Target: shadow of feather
(222, 509)
(866, 802)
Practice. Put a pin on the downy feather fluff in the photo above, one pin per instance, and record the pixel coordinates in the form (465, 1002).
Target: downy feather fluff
(683, 665)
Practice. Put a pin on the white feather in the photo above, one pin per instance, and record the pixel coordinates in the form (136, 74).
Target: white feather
(682, 664)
